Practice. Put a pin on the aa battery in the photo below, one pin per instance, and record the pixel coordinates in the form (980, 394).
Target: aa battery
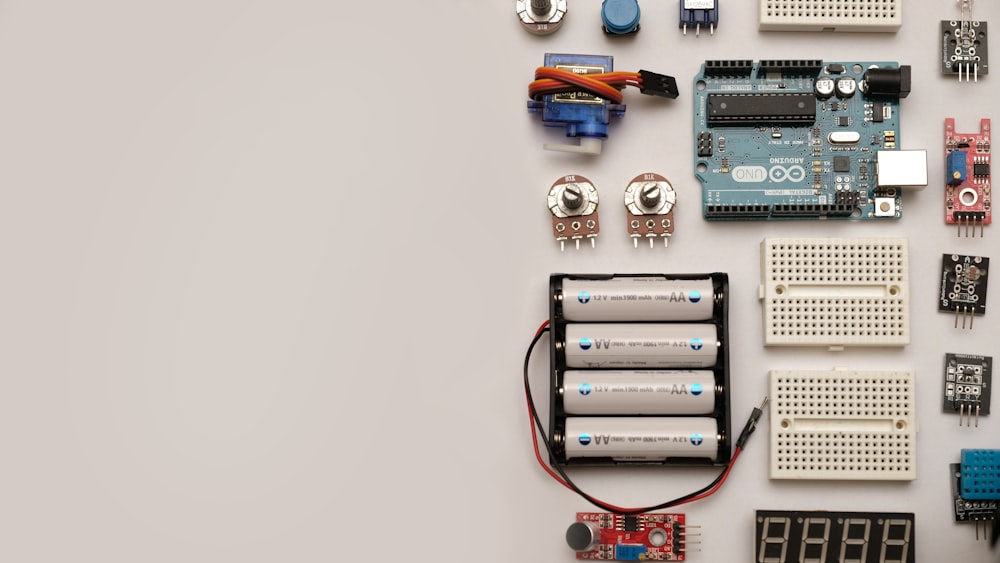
(640, 345)
(641, 439)
(638, 392)
(637, 299)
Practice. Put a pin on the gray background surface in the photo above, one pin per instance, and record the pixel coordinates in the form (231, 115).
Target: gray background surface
(269, 270)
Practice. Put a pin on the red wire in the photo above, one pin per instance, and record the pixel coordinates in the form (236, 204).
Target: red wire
(550, 80)
(534, 430)
(712, 491)
(611, 507)
(541, 329)
(595, 83)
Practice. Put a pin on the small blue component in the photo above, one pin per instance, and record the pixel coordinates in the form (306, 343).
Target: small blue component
(629, 551)
(582, 115)
(981, 474)
(698, 14)
(955, 174)
(620, 16)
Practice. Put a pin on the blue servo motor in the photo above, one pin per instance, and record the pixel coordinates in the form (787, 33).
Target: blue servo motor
(580, 93)
(583, 115)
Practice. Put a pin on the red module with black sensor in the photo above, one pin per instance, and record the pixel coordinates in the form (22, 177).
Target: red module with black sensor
(639, 537)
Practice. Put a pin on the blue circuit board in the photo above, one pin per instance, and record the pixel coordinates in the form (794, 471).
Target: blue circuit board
(796, 139)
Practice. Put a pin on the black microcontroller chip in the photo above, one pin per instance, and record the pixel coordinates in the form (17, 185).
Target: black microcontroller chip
(981, 169)
(841, 164)
(843, 121)
(761, 108)
(631, 524)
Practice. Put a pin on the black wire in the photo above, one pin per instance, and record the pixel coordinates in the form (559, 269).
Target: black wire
(562, 473)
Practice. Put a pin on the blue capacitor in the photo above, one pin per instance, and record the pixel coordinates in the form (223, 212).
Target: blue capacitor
(620, 16)
(955, 169)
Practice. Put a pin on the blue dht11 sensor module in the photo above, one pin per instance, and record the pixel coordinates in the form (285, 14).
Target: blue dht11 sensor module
(981, 474)
(802, 139)
(982, 513)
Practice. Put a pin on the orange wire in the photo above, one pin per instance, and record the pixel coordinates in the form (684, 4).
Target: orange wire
(604, 85)
(596, 82)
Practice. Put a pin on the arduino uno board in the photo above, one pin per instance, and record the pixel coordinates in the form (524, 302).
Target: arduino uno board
(802, 139)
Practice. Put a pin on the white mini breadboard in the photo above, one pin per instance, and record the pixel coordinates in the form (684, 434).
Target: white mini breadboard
(831, 15)
(835, 292)
(857, 425)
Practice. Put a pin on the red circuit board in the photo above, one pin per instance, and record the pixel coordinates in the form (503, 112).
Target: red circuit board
(967, 178)
(643, 537)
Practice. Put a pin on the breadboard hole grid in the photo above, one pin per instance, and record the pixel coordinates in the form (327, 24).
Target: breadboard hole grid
(825, 9)
(837, 318)
(838, 260)
(836, 291)
(843, 425)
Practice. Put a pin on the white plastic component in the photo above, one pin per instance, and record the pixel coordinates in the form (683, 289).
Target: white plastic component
(637, 299)
(638, 392)
(885, 206)
(845, 137)
(641, 439)
(616, 345)
(849, 425)
(831, 15)
(901, 169)
(588, 145)
(835, 292)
